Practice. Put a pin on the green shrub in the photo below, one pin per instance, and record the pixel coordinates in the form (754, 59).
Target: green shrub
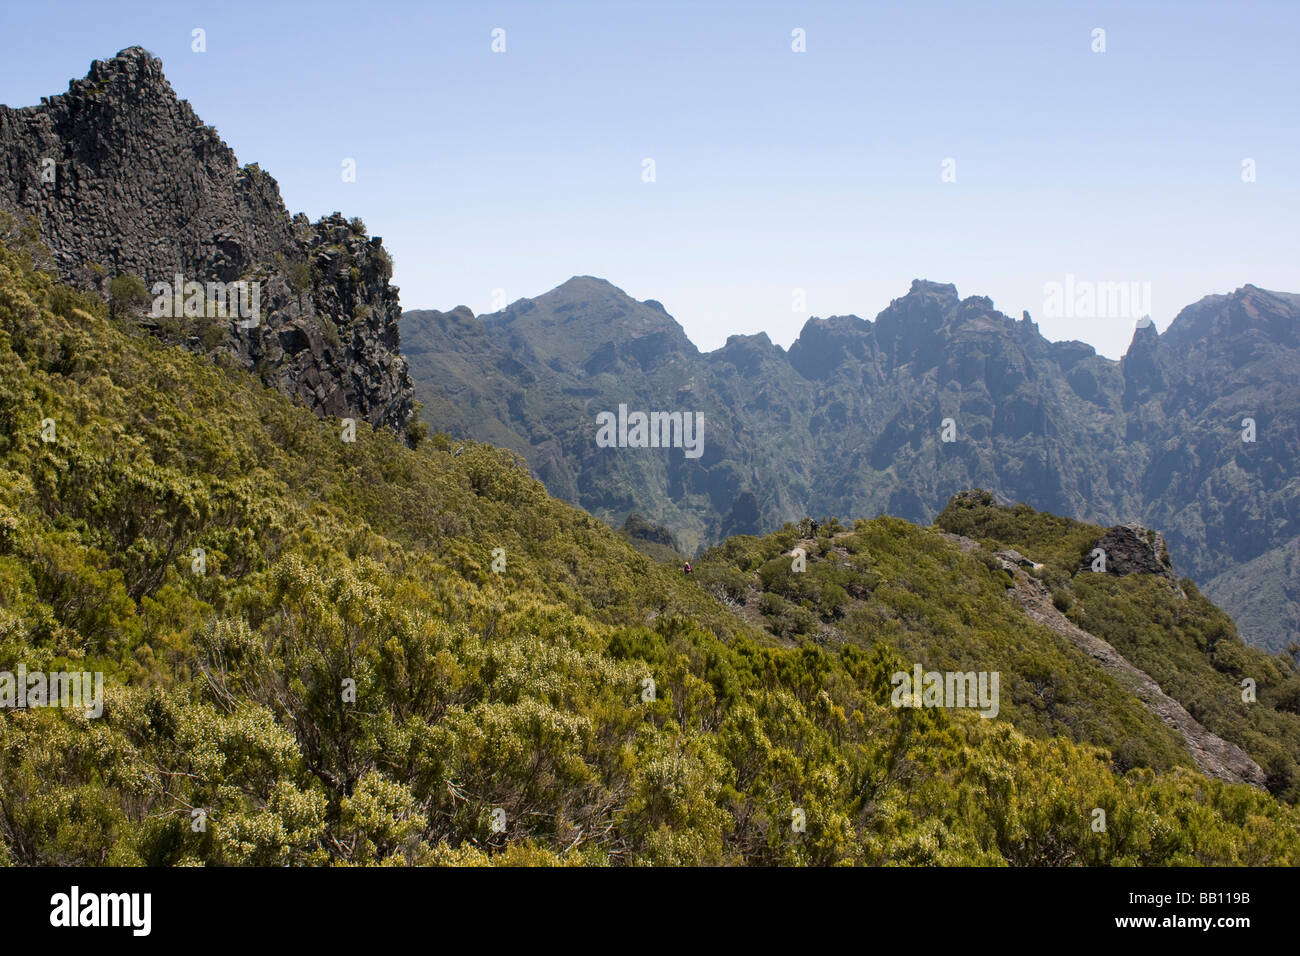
(127, 293)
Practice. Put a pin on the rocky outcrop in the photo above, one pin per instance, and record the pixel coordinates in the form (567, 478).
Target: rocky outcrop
(1132, 549)
(1018, 559)
(121, 176)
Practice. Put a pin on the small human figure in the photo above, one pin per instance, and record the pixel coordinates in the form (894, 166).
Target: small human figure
(686, 569)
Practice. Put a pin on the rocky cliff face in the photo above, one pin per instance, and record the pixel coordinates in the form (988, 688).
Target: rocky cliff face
(123, 177)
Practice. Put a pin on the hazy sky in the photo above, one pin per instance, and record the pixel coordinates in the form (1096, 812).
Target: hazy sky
(774, 170)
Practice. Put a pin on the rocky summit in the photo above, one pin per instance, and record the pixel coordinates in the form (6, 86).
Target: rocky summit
(122, 178)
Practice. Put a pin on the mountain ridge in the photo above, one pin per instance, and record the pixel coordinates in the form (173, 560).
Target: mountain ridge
(585, 281)
(847, 420)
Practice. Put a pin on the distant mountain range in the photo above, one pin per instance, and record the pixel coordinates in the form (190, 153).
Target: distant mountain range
(850, 421)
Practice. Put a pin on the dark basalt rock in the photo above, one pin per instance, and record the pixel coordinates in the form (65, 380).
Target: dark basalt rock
(123, 177)
(1132, 549)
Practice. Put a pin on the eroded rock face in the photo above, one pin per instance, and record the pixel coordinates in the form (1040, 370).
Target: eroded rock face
(1132, 549)
(123, 177)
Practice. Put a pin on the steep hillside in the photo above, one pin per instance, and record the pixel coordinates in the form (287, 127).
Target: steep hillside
(313, 654)
(129, 189)
(894, 416)
(1264, 594)
(1162, 625)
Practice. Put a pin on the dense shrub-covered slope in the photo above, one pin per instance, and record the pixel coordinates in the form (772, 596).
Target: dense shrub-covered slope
(1172, 632)
(889, 583)
(611, 709)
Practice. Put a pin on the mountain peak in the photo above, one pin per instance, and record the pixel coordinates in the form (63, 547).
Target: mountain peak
(588, 290)
(1248, 311)
(131, 73)
(587, 319)
(131, 60)
(122, 176)
(586, 282)
(927, 284)
(942, 290)
(1145, 335)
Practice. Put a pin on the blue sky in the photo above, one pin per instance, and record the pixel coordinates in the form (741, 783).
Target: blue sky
(774, 170)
